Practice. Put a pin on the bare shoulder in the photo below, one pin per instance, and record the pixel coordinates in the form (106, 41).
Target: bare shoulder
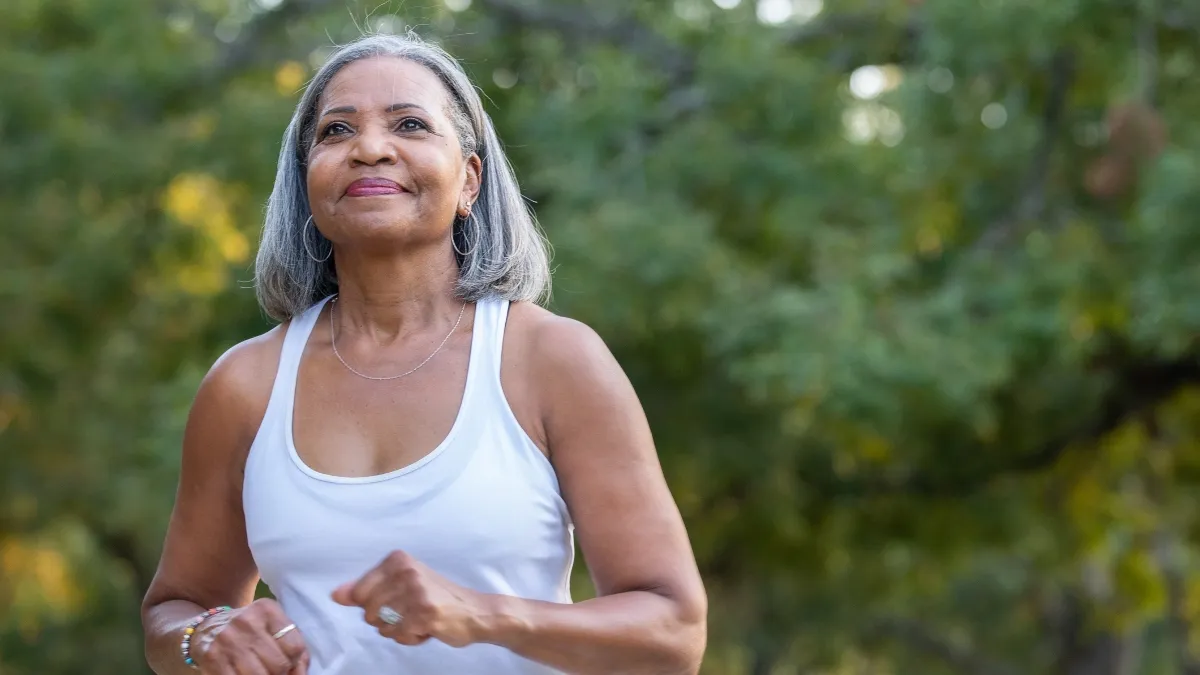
(557, 345)
(205, 555)
(560, 376)
(247, 370)
(602, 450)
(238, 386)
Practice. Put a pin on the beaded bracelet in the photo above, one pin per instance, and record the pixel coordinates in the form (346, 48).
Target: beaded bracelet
(185, 647)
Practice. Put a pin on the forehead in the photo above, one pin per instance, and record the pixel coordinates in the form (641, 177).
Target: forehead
(377, 82)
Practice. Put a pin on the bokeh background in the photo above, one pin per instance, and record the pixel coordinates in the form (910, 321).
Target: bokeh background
(908, 289)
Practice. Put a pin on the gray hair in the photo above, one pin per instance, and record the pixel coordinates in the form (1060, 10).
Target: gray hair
(505, 252)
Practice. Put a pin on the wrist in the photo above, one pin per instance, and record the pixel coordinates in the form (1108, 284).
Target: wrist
(201, 631)
(501, 620)
(211, 626)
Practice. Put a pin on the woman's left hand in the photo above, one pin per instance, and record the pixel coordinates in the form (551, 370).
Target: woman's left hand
(428, 605)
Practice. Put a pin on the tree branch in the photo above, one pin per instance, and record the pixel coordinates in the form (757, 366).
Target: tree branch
(678, 65)
(1032, 203)
(250, 46)
(683, 96)
(1137, 387)
(584, 27)
(893, 42)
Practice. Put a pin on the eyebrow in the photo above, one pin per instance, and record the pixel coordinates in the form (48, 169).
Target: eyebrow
(350, 110)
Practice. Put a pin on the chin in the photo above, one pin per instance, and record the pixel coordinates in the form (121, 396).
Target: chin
(387, 229)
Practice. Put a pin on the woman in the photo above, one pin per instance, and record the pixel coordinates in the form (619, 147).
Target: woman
(405, 459)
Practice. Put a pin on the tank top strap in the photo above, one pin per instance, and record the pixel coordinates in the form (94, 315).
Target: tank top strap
(491, 319)
(491, 315)
(294, 341)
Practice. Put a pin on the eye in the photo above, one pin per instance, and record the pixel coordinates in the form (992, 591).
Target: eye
(335, 128)
(411, 124)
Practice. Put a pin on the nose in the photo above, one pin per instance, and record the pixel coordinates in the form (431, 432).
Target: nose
(373, 146)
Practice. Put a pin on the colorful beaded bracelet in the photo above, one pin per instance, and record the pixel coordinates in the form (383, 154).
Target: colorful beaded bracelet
(185, 647)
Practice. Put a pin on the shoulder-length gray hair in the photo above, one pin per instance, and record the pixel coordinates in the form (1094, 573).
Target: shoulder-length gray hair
(505, 253)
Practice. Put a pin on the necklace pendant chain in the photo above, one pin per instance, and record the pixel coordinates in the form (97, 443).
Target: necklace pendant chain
(333, 343)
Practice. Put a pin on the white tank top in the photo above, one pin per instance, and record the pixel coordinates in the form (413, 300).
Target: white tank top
(483, 509)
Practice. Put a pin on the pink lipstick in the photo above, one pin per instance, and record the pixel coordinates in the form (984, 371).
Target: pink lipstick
(367, 187)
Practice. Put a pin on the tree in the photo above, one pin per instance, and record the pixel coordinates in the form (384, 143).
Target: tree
(905, 287)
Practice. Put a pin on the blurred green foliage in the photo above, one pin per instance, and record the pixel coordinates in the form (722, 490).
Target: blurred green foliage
(908, 289)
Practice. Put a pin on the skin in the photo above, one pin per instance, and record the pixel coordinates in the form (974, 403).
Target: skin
(396, 302)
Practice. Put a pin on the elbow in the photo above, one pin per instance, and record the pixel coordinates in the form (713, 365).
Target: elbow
(695, 640)
(689, 635)
(687, 653)
(151, 601)
(148, 636)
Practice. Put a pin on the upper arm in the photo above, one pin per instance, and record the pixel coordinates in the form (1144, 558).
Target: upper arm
(205, 557)
(630, 530)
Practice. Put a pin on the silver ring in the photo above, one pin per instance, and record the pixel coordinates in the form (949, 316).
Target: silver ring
(389, 616)
(284, 631)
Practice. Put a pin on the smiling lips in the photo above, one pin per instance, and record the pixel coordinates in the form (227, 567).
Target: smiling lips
(367, 187)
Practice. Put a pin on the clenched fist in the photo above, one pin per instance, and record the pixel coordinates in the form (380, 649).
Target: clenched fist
(410, 603)
(242, 642)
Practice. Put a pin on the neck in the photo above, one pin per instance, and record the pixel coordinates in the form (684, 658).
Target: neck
(386, 297)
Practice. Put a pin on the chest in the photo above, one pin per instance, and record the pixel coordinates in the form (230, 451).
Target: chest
(478, 513)
(347, 425)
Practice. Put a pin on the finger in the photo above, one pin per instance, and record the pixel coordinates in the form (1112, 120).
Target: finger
(216, 657)
(369, 586)
(342, 594)
(385, 593)
(372, 612)
(357, 593)
(237, 651)
(410, 630)
(270, 616)
(247, 663)
(217, 667)
(293, 646)
(301, 667)
(407, 638)
(348, 593)
(269, 654)
(406, 633)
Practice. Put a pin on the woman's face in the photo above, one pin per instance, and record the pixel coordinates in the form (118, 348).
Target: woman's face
(386, 165)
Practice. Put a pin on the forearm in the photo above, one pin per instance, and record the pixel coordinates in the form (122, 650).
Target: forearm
(634, 633)
(164, 625)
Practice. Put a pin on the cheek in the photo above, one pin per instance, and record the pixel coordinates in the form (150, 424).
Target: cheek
(438, 172)
(320, 174)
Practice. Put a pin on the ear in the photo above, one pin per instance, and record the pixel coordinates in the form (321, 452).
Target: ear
(473, 168)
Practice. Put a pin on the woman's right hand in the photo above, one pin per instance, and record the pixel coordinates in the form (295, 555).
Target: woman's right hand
(244, 643)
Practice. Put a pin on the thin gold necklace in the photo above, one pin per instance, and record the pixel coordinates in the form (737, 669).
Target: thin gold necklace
(333, 342)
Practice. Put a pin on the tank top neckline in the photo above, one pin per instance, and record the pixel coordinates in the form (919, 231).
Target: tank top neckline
(309, 321)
